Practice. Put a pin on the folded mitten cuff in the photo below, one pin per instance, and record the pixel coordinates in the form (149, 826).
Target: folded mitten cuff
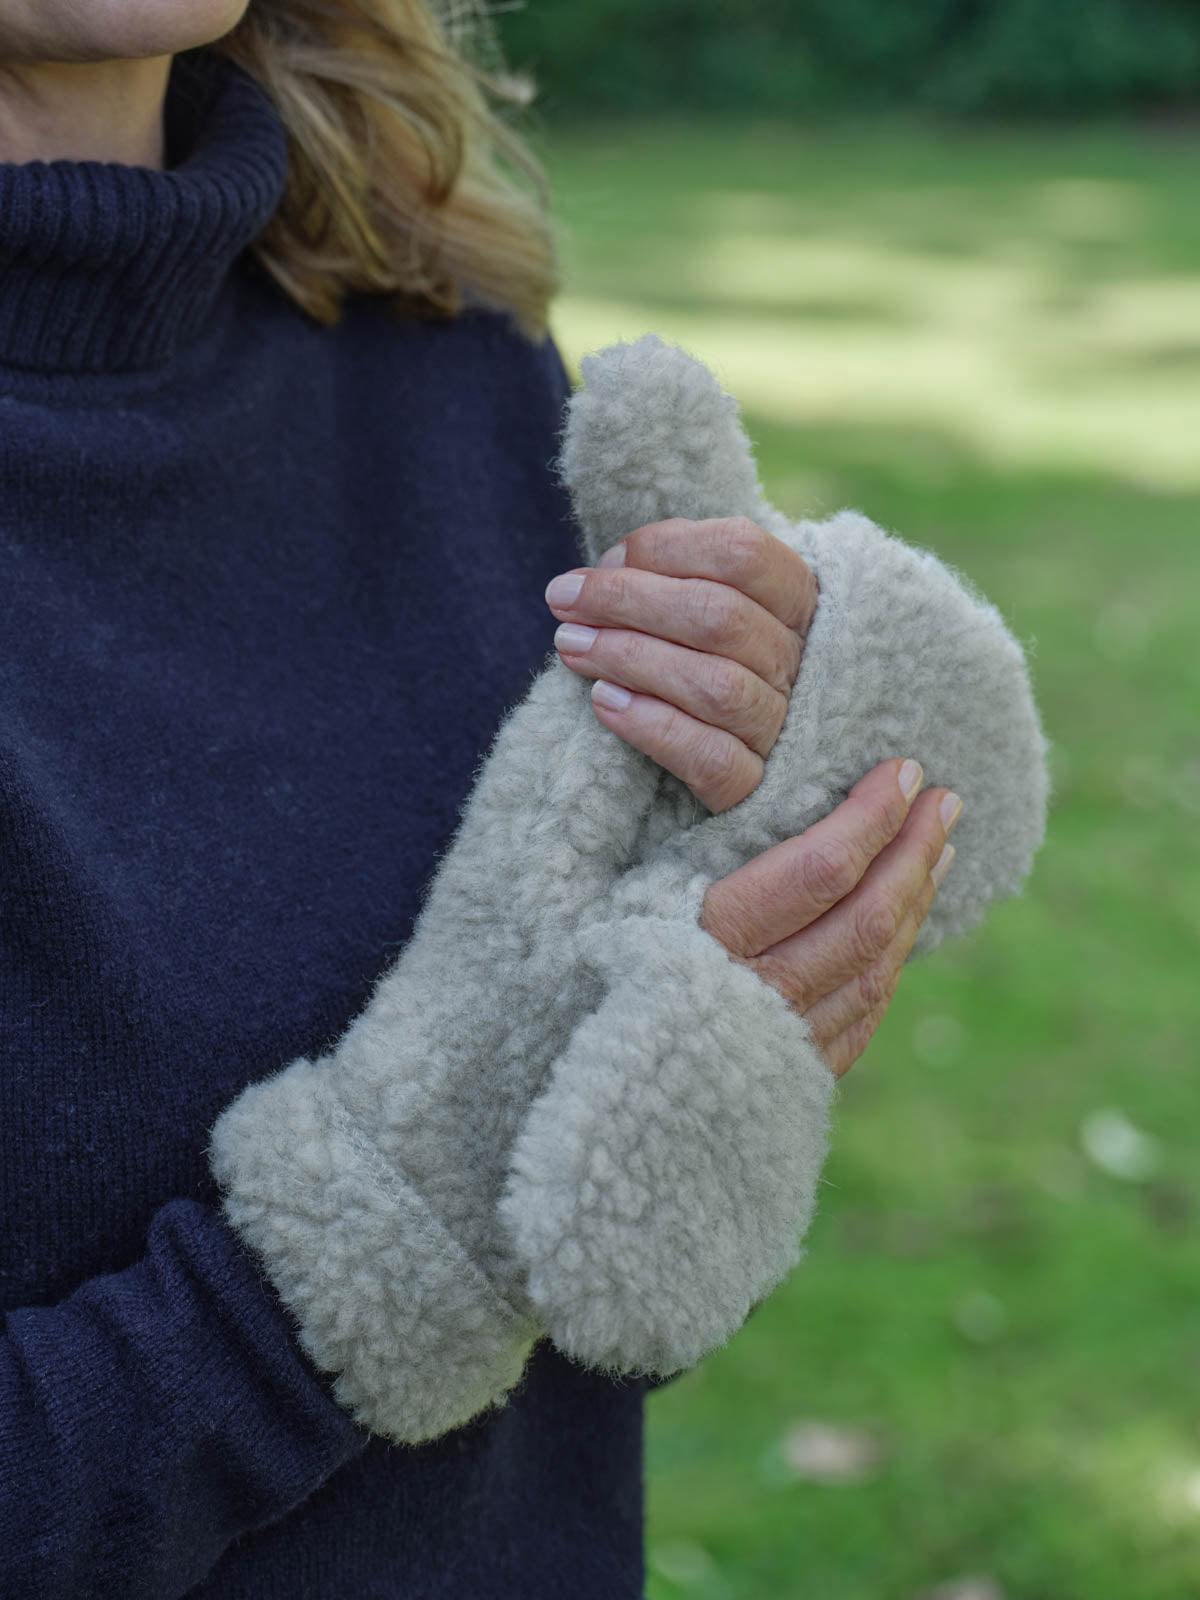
(661, 1183)
(386, 1298)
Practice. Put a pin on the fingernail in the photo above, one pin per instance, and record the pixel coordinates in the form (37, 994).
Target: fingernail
(571, 637)
(943, 866)
(614, 556)
(911, 774)
(948, 809)
(611, 694)
(564, 591)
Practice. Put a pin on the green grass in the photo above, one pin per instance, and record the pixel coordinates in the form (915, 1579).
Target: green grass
(991, 344)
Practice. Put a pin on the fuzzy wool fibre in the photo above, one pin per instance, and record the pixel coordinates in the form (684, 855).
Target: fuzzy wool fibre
(566, 1109)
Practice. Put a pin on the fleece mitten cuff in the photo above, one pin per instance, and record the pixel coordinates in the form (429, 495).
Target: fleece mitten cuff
(384, 1295)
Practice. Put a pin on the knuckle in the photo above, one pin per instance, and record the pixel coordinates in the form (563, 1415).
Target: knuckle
(788, 669)
(823, 1024)
(888, 821)
(770, 725)
(812, 593)
(874, 989)
(635, 652)
(828, 872)
(715, 761)
(619, 587)
(656, 540)
(873, 929)
(725, 686)
(746, 546)
(728, 917)
(717, 614)
(788, 980)
(781, 977)
(779, 715)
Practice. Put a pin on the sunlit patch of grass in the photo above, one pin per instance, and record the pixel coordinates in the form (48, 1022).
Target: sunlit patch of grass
(1009, 305)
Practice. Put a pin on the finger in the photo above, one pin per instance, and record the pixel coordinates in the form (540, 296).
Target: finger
(854, 934)
(696, 612)
(841, 1054)
(843, 1050)
(792, 884)
(712, 689)
(733, 550)
(717, 767)
(872, 989)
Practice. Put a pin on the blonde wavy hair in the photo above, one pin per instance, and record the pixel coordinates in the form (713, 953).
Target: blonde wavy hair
(394, 185)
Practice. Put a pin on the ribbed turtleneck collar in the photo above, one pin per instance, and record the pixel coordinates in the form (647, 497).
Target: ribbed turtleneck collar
(106, 267)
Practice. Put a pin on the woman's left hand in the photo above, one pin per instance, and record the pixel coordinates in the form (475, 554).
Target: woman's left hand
(700, 629)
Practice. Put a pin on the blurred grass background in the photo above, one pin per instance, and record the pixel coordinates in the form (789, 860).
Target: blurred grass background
(988, 339)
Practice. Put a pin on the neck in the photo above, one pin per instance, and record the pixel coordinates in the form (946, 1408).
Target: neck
(84, 111)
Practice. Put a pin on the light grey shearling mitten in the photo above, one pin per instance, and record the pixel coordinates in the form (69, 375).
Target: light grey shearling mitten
(566, 1109)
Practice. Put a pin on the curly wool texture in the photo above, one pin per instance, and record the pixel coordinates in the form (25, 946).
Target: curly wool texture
(566, 1109)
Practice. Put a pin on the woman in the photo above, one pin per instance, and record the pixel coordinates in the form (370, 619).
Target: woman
(277, 411)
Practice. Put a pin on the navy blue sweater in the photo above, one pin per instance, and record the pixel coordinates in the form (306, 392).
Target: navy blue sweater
(268, 589)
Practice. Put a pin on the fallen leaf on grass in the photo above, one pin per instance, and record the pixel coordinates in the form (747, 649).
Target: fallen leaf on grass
(826, 1452)
(972, 1588)
(1112, 1143)
(980, 1317)
(939, 1039)
(681, 1562)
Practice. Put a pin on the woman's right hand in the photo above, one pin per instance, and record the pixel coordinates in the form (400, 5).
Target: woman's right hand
(829, 916)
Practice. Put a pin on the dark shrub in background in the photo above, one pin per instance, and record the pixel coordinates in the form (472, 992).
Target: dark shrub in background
(787, 57)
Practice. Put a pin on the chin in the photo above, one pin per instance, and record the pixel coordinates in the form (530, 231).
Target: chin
(107, 30)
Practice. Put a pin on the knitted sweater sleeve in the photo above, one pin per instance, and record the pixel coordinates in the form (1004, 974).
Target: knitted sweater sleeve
(153, 1417)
